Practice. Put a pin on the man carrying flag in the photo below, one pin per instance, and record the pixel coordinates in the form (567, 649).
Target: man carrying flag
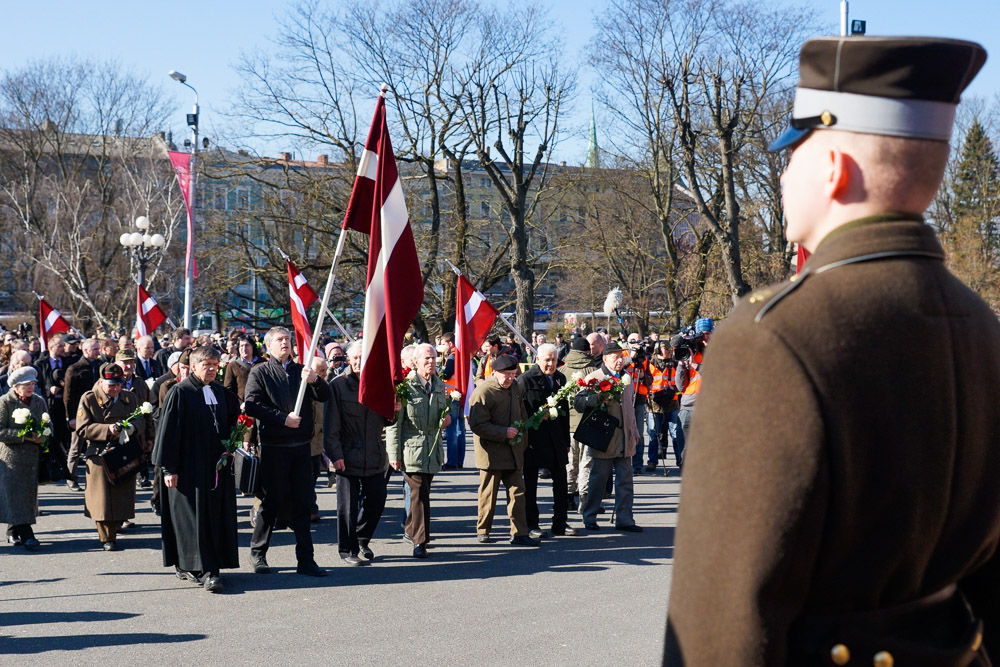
(303, 296)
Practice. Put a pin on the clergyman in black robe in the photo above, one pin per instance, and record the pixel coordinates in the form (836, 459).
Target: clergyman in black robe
(199, 516)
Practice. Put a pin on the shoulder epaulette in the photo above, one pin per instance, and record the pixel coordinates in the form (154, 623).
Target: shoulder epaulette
(793, 283)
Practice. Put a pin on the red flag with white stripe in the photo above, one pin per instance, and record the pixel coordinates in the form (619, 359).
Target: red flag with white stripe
(149, 314)
(395, 288)
(181, 162)
(474, 317)
(303, 296)
(50, 322)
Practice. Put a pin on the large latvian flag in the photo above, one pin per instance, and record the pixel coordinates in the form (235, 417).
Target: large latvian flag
(474, 317)
(50, 322)
(395, 288)
(149, 315)
(303, 296)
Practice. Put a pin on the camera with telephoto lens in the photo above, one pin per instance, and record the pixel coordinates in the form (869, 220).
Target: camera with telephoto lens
(23, 330)
(686, 343)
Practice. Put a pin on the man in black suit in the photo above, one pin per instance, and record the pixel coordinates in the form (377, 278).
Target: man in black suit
(181, 341)
(80, 378)
(146, 364)
(548, 445)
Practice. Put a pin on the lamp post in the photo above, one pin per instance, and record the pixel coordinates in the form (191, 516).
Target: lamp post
(192, 121)
(141, 246)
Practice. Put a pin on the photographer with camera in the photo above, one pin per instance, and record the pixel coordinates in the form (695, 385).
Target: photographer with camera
(689, 355)
(661, 417)
(637, 365)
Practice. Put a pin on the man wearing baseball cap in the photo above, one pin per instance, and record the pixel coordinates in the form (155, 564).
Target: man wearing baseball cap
(840, 502)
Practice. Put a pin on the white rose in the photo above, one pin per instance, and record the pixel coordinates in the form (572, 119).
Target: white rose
(21, 415)
(551, 400)
(553, 412)
(455, 395)
(45, 418)
(578, 375)
(626, 380)
(47, 432)
(442, 349)
(146, 408)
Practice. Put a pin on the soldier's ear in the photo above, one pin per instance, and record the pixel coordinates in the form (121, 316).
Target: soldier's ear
(842, 175)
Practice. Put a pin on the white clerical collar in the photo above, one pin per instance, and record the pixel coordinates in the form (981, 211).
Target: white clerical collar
(209, 395)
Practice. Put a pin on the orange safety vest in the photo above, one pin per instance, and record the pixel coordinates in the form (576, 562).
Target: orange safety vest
(640, 388)
(453, 382)
(694, 380)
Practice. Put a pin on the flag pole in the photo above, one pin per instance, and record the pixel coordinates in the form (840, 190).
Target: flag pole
(503, 318)
(319, 317)
(329, 312)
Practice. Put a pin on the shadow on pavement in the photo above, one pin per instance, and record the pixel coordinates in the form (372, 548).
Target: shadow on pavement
(33, 581)
(34, 617)
(30, 645)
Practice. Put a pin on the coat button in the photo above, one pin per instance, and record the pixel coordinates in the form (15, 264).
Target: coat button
(840, 655)
(883, 659)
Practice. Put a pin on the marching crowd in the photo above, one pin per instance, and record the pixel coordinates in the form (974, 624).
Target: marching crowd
(164, 415)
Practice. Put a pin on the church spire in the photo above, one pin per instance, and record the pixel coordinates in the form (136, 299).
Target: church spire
(593, 152)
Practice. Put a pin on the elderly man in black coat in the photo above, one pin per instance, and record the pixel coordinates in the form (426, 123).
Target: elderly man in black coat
(548, 447)
(198, 518)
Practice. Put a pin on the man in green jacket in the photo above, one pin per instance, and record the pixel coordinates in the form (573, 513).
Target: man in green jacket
(494, 409)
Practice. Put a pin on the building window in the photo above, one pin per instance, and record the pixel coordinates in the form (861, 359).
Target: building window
(484, 209)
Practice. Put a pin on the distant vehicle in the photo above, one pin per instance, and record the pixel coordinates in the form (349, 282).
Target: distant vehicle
(205, 322)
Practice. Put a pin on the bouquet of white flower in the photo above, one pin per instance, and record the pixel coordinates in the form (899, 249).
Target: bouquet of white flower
(29, 427)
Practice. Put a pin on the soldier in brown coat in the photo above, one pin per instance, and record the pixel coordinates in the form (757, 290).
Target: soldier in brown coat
(840, 503)
(97, 420)
(495, 406)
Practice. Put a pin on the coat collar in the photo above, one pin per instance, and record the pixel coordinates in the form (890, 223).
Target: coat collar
(875, 234)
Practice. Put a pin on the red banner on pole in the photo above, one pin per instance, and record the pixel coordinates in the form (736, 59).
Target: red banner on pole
(181, 163)
(303, 296)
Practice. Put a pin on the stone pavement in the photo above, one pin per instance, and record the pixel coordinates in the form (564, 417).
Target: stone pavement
(595, 599)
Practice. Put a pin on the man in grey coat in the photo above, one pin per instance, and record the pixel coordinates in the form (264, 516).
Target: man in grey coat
(353, 441)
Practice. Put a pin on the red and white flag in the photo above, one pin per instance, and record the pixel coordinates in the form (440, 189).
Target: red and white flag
(395, 288)
(303, 296)
(149, 314)
(50, 322)
(474, 317)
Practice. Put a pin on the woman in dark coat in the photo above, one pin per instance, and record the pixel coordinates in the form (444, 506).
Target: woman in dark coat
(548, 446)
(199, 516)
(19, 458)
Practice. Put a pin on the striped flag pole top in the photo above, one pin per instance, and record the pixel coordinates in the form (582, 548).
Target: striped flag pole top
(50, 322)
(394, 289)
(302, 296)
(149, 314)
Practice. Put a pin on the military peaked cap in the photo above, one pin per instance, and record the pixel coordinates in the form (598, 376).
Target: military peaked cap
(894, 86)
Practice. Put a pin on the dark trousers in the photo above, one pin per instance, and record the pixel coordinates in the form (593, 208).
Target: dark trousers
(286, 473)
(360, 501)
(157, 476)
(560, 500)
(418, 521)
(21, 532)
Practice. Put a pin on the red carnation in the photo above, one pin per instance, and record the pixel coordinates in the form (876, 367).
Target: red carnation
(593, 382)
(246, 420)
(605, 385)
(406, 371)
(580, 382)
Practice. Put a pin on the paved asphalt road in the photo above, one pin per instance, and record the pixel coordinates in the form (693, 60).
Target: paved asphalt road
(595, 599)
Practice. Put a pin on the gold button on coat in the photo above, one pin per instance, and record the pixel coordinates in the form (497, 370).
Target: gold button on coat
(883, 659)
(840, 655)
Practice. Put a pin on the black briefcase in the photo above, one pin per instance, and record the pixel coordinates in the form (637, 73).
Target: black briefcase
(596, 430)
(121, 459)
(246, 466)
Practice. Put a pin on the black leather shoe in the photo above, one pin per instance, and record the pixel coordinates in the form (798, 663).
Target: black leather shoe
(544, 473)
(184, 575)
(31, 544)
(650, 468)
(484, 538)
(310, 570)
(524, 541)
(73, 485)
(571, 503)
(353, 560)
(213, 584)
(420, 551)
(366, 552)
(110, 546)
(537, 534)
(567, 531)
(258, 565)
(154, 507)
(591, 526)
(629, 529)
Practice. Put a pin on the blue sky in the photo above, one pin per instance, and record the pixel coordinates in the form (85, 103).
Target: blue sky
(203, 38)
